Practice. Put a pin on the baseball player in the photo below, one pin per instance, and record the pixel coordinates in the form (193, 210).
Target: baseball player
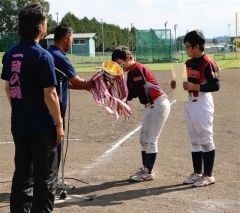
(203, 79)
(142, 84)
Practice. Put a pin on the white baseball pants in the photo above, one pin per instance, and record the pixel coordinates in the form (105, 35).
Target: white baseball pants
(199, 120)
(154, 117)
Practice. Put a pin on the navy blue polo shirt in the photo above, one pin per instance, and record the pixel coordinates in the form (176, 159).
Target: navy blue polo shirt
(29, 69)
(64, 65)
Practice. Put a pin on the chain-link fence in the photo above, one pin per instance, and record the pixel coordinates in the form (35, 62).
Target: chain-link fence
(224, 51)
(7, 39)
(89, 63)
(154, 46)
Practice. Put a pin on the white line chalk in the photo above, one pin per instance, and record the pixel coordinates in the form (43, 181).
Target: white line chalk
(121, 141)
(103, 157)
(10, 142)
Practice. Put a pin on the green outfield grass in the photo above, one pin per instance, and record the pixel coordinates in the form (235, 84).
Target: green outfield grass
(229, 64)
(92, 64)
(88, 64)
(222, 63)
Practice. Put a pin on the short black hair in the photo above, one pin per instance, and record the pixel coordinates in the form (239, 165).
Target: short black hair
(120, 53)
(194, 38)
(61, 31)
(30, 19)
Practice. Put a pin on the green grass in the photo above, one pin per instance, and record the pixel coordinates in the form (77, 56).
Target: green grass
(223, 64)
(92, 64)
(159, 67)
(229, 64)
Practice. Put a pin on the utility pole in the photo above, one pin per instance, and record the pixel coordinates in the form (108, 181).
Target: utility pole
(175, 31)
(131, 25)
(175, 35)
(131, 43)
(57, 17)
(237, 39)
(128, 36)
(102, 38)
(165, 25)
(229, 34)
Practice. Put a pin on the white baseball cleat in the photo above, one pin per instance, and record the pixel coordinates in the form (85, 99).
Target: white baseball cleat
(66, 185)
(192, 178)
(138, 172)
(204, 181)
(143, 176)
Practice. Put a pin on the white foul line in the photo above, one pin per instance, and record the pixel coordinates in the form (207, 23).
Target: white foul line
(116, 145)
(105, 154)
(121, 141)
(6, 142)
(103, 157)
(10, 142)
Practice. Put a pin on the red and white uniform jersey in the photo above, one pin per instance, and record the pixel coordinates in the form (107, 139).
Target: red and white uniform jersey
(136, 82)
(203, 71)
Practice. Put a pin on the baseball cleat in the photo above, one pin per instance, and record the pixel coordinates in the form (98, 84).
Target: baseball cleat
(138, 172)
(192, 178)
(204, 181)
(143, 176)
(66, 185)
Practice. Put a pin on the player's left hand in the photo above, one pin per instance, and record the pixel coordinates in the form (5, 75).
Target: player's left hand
(191, 86)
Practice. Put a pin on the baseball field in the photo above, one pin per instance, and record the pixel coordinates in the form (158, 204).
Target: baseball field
(104, 153)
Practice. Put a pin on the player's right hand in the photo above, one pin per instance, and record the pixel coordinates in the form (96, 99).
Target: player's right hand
(89, 85)
(173, 84)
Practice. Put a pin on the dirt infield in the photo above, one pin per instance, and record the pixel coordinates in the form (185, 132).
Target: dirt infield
(103, 153)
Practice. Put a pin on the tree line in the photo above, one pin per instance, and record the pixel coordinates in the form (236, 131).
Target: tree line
(109, 34)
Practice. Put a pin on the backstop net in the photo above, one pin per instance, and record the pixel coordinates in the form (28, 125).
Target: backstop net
(154, 46)
(237, 40)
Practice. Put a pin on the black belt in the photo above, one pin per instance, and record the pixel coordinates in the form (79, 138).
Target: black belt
(149, 105)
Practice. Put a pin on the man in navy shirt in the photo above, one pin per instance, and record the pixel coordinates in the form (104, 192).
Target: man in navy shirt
(36, 122)
(66, 75)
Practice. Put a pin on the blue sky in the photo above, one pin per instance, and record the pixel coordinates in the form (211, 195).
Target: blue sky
(213, 17)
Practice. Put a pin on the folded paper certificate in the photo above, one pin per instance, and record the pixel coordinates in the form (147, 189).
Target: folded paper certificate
(179, 74)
